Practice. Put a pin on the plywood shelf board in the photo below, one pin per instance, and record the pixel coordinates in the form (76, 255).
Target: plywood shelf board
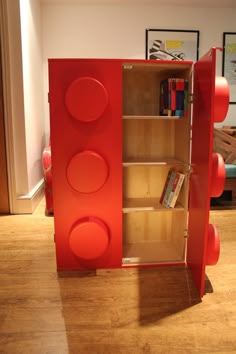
(145, 117)
(168, 68)
(152, 252)
(165, 161)
(147, 204)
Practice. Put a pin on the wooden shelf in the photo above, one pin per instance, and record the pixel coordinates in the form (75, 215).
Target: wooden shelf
(148, 253)
(131, 205)
(151, 117)
(150, 162)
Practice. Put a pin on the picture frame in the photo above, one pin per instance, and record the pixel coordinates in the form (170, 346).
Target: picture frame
(229, 63)
(171, 44)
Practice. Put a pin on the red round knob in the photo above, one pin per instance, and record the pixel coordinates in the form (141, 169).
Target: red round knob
(87, 171)
(217, 175)
(86, 99)
(89, 239)
(213, 246)
(221, 103)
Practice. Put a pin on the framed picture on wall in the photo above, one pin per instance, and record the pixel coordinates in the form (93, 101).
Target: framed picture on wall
(229, 63)
(168, 44)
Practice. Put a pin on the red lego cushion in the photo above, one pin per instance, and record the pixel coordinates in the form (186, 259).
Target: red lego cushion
(47, 166)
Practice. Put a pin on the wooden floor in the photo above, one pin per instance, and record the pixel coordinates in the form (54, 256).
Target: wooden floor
(117, 311)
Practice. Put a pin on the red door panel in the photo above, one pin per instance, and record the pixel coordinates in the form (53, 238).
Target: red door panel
(86, 143)
(205, 92)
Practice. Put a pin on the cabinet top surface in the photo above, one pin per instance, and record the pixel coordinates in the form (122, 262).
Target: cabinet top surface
(125, 61)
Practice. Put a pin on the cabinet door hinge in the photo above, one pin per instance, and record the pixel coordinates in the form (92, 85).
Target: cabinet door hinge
(190, 99)
(186, 234)
(190, 169)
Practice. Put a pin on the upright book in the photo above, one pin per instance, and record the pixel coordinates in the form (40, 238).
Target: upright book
(174, 97)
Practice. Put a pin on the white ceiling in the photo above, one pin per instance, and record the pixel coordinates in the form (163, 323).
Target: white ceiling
(174, 3)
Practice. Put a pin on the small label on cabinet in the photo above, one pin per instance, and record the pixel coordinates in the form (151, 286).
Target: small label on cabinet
(128, 67)
(130, 260)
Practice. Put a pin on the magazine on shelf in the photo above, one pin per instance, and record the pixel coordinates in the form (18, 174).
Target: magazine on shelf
(172, 187)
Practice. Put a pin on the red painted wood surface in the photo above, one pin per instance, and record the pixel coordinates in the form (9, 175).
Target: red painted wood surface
(86, 142)
(202, 178)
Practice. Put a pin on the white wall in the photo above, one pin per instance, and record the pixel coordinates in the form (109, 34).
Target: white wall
(74, 29)
(23, 101)
(31, 36)
(118, 31)
(13, 99)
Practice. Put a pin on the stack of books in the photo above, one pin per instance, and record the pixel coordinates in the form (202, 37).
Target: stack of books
(172, 187)
(174, 97)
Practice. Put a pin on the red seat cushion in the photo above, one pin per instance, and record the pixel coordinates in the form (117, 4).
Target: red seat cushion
(47, 169)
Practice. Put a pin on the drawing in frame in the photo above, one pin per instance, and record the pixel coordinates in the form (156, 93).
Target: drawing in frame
(229, 63)
(168, 44)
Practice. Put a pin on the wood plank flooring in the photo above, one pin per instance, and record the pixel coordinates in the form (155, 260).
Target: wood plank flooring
(128, 311)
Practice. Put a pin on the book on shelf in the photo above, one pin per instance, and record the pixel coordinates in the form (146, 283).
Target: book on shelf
(165, 186)
(172, 187)
(170, 177)
(174, 97)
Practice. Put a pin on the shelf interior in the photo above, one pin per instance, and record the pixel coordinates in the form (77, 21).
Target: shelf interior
(154, 237)
(152, 145)
(141, 86)
(156, 140)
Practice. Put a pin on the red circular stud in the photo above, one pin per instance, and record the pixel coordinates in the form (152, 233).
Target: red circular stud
(86, 99)
(89, 239)
(221, 103)
(217, 175)
(87, 171)
(213, 246)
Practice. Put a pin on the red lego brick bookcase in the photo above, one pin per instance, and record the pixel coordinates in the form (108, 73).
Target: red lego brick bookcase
(112, 152)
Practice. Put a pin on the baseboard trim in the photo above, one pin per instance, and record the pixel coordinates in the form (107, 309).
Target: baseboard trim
(26, 204)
